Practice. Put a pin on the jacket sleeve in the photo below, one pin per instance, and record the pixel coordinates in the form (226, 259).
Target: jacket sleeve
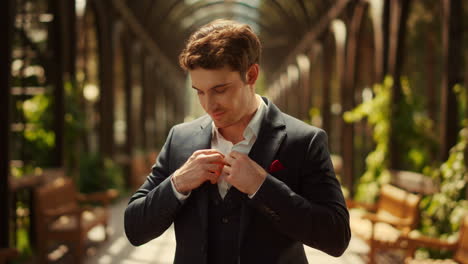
(152, 208)
(318, 216)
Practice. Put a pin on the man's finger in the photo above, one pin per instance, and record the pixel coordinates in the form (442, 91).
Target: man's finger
(212, 158)
(236, 155)
(212, 167)
(233, 154)
(228, 160)
(227, 170)
(212, 177)
(207, 152)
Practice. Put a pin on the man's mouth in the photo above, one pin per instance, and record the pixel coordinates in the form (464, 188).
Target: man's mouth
(218, 115)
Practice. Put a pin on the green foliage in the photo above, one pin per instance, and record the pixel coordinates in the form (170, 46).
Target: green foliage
(377, 111)
(23, 245)
(99, 174)
(75, 127)
(315, 116)
(412, 132)
(39, 139)
(442, 212)
(460, 92)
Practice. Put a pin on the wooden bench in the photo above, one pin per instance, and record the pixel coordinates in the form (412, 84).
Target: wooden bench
(382, 224)
(60, 217)
(459, 247)
(7, 254)
(22, 191)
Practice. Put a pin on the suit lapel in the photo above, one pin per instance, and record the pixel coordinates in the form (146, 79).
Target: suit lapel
(270, 137)
(203, 142)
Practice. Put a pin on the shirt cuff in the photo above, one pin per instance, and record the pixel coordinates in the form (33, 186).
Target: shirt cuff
(180, 196)
(253, 194)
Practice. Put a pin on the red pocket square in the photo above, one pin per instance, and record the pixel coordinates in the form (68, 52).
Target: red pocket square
(276, 166)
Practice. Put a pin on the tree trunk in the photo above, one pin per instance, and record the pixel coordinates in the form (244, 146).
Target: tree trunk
(59, 50)
(348, 93)
(452, 38)
(399, 10)
(327, 69)
(6, 26)
(106, 62)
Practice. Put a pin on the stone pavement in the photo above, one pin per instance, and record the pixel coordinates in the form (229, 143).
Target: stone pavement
(161, 250)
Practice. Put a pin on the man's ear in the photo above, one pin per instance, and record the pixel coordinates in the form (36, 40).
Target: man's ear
(252, 74)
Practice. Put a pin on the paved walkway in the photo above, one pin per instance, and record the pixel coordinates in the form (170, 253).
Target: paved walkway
(161, 250)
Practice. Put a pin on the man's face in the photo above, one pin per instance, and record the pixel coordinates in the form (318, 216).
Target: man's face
(223, 95)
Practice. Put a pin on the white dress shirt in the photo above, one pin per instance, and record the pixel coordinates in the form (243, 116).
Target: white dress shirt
(225, 146)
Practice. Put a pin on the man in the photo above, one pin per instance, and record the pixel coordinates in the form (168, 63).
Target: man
(245, 183)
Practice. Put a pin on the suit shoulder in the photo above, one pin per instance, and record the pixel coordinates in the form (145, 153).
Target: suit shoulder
(193, 124)
(294, 125)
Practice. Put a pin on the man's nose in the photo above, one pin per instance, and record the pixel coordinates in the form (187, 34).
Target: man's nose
(211, 103)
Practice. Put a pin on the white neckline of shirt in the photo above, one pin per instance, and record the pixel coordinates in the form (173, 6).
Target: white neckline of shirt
(252, 129)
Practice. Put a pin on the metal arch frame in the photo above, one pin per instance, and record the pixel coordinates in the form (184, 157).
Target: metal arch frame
(216, 15)
(231, 13)
(178, 9)
(147, 22)
(146, 17)
(137, 7)
(281, 11)
(285, 13)
(219, 2)
(201, 5)
(316, 31)
(211, 16)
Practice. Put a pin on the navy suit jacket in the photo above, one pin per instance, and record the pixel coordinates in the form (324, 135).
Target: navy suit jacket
(300, 204)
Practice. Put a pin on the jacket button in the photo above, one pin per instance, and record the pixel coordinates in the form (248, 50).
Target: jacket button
(225, 220)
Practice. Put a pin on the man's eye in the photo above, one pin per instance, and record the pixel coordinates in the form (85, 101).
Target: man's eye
(199, 92)
(220, 90)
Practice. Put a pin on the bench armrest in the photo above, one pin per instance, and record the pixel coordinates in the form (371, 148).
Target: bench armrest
(430, 242)
(374, 218)
(103, 197)
(64, 210)
(51, 215)
(355, 204)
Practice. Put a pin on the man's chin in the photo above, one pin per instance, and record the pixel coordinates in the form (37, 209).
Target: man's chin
(221, 124)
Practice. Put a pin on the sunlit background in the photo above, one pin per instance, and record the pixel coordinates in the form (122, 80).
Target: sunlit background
(92, 87)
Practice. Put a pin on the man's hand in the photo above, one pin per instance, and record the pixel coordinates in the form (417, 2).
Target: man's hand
(203, 165)
(243, 173)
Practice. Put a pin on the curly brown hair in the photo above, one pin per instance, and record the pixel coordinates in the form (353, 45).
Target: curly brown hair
(220, 43)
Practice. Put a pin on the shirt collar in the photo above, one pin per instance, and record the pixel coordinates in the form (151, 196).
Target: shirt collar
(253, 128)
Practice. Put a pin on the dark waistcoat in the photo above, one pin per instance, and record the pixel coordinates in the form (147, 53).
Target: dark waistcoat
(224, 225)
